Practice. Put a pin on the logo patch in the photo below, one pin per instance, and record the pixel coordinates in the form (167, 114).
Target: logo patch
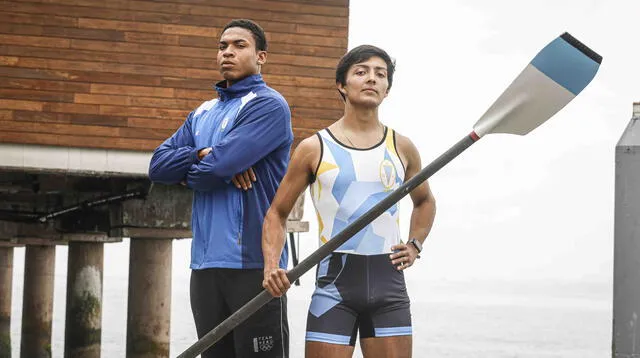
(225, 121)
(387, 174)
(264, 343)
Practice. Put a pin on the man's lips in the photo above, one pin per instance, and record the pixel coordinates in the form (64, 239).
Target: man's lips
(369, 90)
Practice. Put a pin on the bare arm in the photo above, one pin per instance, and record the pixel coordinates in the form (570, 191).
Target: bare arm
(301, 167)
(424, 205)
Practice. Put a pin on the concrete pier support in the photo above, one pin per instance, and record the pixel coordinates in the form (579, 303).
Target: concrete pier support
(152, 224)
(83, 325)
(6, 274)
(37, 302)
(149, 315)
(626, 265)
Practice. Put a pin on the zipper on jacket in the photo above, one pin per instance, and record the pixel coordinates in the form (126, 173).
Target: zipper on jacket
(241, 219)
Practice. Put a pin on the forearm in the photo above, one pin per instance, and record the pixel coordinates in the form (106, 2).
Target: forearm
(422, 218)
(224, 161)
(171, 165)
(273, 239)
(202, 177)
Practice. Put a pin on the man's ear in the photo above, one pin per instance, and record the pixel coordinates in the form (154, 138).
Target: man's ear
(262, 57)
(341, 88)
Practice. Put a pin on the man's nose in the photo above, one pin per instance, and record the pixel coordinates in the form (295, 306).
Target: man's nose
(227, 52)
(371, 77)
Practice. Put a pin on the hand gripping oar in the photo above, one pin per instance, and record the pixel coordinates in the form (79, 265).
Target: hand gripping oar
(553, 78)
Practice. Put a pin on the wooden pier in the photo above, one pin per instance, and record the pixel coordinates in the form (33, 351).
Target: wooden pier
(87, 90)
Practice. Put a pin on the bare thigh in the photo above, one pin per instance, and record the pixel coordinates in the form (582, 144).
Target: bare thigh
(327, 350)
(386, 347)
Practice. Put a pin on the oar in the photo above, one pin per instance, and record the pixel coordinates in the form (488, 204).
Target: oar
(552, 79)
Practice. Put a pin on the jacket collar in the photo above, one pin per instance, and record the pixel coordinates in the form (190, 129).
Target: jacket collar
(238, 89)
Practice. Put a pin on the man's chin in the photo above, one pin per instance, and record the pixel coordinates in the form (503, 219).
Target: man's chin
(229, 76)
(234, 76)
(368, 103)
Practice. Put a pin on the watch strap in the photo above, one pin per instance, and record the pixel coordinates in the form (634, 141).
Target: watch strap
(416, 244)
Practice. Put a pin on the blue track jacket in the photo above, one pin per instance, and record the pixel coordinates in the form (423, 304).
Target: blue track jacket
(248, 125)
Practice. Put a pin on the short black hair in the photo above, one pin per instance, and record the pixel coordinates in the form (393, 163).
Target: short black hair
(256, 31)
(359, 55)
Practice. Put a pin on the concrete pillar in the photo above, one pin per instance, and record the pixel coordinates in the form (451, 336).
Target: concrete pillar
(83, 325)
(37, 302)
(149, 315)
(6, 274)
(626, 280)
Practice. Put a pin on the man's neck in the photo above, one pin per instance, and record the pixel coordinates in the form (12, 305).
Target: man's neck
(230, 83)
(360, 119)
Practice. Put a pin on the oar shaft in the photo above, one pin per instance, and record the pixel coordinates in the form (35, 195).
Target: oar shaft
(264, 297)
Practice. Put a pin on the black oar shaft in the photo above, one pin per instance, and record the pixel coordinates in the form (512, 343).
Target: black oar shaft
(264, 297)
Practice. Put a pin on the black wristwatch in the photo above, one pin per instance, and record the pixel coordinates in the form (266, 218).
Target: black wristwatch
(417, 244)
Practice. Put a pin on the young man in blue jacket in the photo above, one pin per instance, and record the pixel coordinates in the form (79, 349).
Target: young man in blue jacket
(232, 152)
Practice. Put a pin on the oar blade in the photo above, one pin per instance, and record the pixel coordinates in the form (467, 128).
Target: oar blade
(557, 74)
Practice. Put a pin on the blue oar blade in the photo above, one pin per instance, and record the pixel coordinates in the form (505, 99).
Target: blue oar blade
(568, 62)
(556, 75)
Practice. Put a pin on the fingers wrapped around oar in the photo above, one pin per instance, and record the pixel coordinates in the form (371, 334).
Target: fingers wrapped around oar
(276, 281)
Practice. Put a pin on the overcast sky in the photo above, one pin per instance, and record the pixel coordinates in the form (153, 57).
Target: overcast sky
(538, 206)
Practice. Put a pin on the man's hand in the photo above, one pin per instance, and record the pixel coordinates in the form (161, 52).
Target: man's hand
(243, 180)
(203, 152)
(276, 281)
(403, 256)
(240, 180)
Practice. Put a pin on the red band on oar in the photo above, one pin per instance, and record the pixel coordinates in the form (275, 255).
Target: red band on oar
(474, 136)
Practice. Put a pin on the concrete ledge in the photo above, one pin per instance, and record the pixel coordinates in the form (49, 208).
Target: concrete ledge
(81, 161)
(37, 241)
(154, 233)
(97, 237)
(168, 233)
(10, 243)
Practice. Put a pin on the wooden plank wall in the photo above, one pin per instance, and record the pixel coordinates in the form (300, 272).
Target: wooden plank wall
(124, 74)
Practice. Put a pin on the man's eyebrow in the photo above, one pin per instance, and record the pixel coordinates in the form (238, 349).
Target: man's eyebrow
(377, 68)
(223, 42)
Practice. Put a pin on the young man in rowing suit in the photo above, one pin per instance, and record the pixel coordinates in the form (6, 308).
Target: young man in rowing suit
(350, 166)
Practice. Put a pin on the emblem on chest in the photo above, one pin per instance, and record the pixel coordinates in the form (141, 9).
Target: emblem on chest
(224, 123)
(387, 174)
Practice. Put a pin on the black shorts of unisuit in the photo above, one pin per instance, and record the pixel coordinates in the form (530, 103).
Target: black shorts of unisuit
(358, 294)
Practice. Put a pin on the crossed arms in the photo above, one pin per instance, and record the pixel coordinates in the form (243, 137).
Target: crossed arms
(259, 129)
